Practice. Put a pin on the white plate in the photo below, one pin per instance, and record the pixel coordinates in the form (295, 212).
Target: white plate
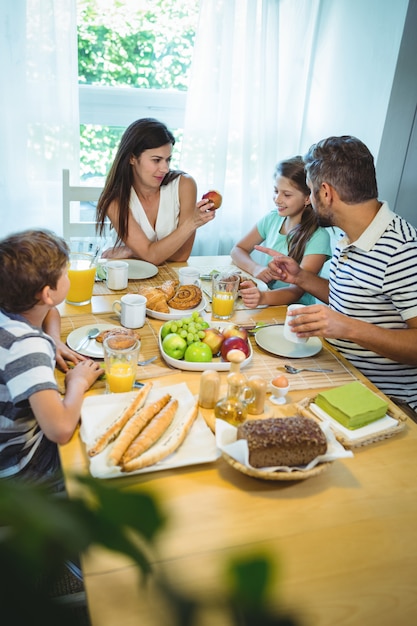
(93, 348)
(141, 269)
(217, 364)
(98, 411)
(272, 340)
(176, 314)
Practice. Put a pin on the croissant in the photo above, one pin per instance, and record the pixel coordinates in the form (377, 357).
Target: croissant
(169, 287)
(156, 300)
(187, 297)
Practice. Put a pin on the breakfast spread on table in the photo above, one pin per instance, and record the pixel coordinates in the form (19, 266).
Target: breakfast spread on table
(150, 430)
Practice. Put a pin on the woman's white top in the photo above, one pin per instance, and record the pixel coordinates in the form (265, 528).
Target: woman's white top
(168, 211)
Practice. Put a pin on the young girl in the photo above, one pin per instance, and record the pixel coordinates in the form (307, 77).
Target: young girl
(291, 229)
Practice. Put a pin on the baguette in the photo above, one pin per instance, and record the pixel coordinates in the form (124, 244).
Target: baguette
(166, 445)
(153, 431)
(134, 426)
(115, 427)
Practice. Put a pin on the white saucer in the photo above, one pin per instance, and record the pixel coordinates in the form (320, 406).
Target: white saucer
(271, 339)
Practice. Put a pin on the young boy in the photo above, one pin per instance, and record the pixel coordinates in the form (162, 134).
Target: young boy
(33, 416)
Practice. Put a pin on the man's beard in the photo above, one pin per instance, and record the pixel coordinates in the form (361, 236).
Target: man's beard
(324, 221)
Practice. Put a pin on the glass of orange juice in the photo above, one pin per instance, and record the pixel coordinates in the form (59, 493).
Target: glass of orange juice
(224, 294)
(81, 273)
(121, 363)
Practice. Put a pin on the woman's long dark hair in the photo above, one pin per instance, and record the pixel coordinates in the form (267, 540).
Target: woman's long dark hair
(144, 134)
(297, 238)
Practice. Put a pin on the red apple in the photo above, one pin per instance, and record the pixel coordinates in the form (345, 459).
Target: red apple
(214, 196)
(234, 343)
(235, 331)
(214, 339)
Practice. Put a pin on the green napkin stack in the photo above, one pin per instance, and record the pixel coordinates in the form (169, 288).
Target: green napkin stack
(353, 405)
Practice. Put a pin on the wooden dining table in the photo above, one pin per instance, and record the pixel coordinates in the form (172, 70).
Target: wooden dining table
(344, 541)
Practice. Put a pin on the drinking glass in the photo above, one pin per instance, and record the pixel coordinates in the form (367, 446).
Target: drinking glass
(81, 273)
(224, 294)
(121, 363)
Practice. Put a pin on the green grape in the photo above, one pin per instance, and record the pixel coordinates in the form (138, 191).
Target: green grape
(204, 324)
(201, 334)
(196, 337)
(179, 323)
(198, 326)
(195, 314)
(191, 328)
(183, 333)
(199, 320)
(188, 320)
(174, 327)
(190, 338)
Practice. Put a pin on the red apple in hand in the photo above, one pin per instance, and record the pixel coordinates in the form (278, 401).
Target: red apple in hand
(214, 339)
(214, 196)
(234, 343)
(235, 331)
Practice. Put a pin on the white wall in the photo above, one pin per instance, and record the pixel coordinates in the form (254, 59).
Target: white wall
(357, 49)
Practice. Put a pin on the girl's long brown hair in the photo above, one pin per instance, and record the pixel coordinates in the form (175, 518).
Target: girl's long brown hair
(297, 238)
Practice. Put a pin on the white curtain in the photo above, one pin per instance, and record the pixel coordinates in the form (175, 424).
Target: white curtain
(39, 126)
(271, 77)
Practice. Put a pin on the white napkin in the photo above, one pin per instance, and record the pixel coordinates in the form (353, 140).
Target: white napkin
(373, 428)
(238, 448)
(98, 411)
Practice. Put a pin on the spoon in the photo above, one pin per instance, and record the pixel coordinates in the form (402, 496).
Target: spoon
(92, 334)
(294, 370)
(151, 360)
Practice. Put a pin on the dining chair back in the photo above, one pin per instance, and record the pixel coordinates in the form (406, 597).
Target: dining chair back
(76, 201)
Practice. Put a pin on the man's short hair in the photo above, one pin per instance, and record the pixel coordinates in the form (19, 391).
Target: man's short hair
(346, 164)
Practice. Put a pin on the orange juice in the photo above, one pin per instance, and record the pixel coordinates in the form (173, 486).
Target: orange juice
(121, 376)
(222, 304)
(81, 276)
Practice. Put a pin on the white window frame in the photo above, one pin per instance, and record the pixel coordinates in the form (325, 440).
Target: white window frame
(120, 106)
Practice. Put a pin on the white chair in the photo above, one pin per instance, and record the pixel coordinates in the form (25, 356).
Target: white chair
(73, 197)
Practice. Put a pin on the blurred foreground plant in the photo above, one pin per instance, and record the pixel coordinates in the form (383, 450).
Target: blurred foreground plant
(39, 532)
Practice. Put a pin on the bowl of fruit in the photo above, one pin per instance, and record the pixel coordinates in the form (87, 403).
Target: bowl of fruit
(192, 344)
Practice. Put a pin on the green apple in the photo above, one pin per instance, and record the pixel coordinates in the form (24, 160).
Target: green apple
(198, 352)
(165, 330)
(174, 346)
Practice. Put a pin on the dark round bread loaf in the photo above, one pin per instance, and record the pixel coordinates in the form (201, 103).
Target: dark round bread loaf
(286, 441)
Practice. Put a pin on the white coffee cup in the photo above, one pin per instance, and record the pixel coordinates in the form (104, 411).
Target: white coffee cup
(288, 332)
(117, 274)
(131, 308)
(189, 276)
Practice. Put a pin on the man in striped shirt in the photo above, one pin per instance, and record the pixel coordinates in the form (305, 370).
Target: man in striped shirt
(371, 317)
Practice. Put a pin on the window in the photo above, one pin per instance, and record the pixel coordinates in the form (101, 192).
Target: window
(134, 60)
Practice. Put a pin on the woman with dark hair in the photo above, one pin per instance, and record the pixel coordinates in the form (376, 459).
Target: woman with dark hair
(152, 209)
(291, 229)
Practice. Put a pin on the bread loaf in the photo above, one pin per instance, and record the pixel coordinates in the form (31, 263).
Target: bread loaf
(286, 441)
